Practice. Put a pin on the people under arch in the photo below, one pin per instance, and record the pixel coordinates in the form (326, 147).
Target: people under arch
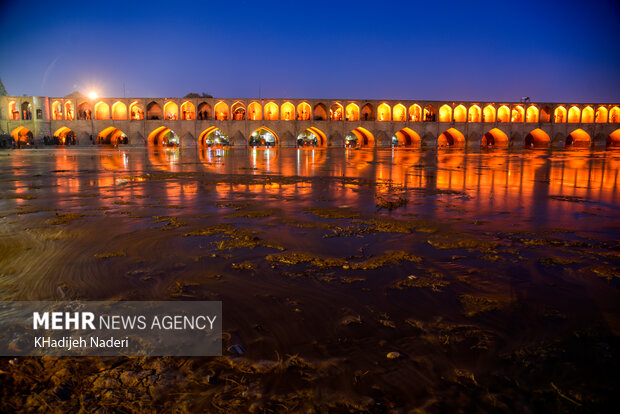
(263, 137)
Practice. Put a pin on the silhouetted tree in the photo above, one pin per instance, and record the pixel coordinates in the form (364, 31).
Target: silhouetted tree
(3, 91)
(192, 95)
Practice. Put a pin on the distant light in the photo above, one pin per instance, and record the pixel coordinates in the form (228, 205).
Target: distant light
(93, 95)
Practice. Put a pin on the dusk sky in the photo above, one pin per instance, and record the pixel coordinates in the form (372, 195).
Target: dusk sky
(476, 50)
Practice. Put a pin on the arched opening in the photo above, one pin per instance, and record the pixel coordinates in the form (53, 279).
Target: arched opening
(518, 114)
(153, 111)
(359, 137)
(383, 112)
(452, 138)
(503, 114)
(271, 112)
(400, 113)
(573, 115)
(559, 115)
(578, 138)
(188, 111)
(136, 111)
(613, 140)
(304, 111)
(171, 111)
(22, 136)
(255, 111)
(238, 111)
(614, 115)
(62, 136)
(13, 111)
(221, 111)
(495, 138)
(488, 114)
(587, 115)
(460, 114)
(429, 113)
(320, 112)
(531, 115)
(601, 115)
(204, 111)
(263, 137)
(102, 111)
(335, 112)
(56, 111)
(164, 137)
(537, 139)
(368, 112)
(112, 136)
(311, 138)
(415, 113)
(85, 111)
(352, 112)
(119, 111)
(545, 114)
(445, 113)
(213, 137)
(406, 137)
(474, 113)
(287, 111)
(26, 111)
(69, 111)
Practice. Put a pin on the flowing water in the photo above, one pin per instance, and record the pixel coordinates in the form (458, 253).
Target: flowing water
(489, 277)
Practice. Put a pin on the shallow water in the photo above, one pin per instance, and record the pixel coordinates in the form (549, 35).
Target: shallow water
(494, 275)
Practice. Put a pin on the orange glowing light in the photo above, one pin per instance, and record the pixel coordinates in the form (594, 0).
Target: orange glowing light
(93, 95)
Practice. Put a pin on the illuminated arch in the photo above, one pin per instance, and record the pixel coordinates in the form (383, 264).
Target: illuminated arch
(601, 115)
(368, 112)
(399, 113)
(517, 114)
(163, 137)
(360, 137)
(65, 136)
(213, 137)
(287, 112)
(460, 114)
(336, 112)
(136, 111)
(352, 112)
(188, 111)
(614, 115)
(255, 111)
(573, 115)
(13, 111)
(204, 111)
(112, 136)
(304, 111)
(503, 114)
(407, 137)
(494, 138)
(56, 111)
(587, 115)
(102, 110)
(22, 136)
(429, 113)
(84, 111)
(383, 112)
(451, 138)
(474, 113)
(578, 138)
(312, 137)
(119, 111)
(221, 111)
(69, 111)
(445, 113)
(171, 111)
(271, 112)
(26, 110)
(559, 115)
(320, 112)
(415, 113)
(613, 140)
(263, 137)
(545, 114)
(153, 111)
(238, 111)
(488, 113)
(537, 139)
(531, 115)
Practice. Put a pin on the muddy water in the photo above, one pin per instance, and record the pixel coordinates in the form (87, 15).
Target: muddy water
(492, 275)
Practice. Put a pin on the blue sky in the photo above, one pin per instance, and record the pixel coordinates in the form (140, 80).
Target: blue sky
(549, 51)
